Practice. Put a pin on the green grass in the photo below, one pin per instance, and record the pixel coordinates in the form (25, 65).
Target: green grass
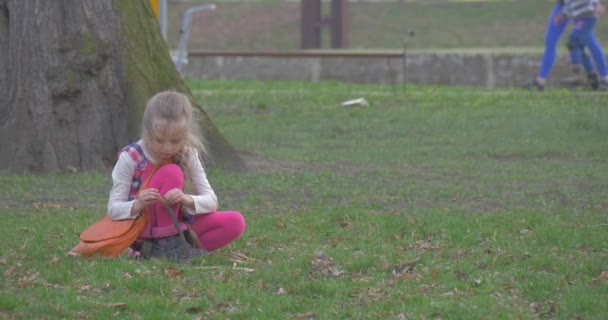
(432, 203)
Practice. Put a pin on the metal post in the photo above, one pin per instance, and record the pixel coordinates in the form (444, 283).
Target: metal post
(310, 28)
(163, 18)
(409, 35)
(338, 23)
(185, 32)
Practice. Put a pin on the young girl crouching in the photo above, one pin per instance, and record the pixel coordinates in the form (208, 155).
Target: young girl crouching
(166, 156)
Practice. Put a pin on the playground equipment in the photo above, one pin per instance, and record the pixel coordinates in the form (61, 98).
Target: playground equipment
(160, 10)
(185, 32)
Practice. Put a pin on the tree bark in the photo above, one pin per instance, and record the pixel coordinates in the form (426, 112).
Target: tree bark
(77, 76)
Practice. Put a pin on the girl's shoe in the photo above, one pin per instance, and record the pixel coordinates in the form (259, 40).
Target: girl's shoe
(593, 80)
(534, 85)
(133, 254)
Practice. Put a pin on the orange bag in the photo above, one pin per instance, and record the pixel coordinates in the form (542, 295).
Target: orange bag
(110, 238)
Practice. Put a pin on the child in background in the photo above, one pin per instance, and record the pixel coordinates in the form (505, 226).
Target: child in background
(555, 28)
(170, 135)
(584, 14)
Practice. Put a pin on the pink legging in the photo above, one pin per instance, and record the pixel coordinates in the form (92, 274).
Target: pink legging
(214, 230)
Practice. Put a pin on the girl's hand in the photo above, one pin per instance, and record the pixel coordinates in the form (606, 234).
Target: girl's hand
(175, 196)
(145, 198)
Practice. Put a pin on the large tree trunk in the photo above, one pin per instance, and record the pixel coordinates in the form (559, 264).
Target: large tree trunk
(77, 75)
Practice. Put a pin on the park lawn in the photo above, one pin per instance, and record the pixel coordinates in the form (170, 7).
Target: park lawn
(430, 203)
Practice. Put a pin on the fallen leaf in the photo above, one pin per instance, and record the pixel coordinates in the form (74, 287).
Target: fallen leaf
(601, 278)
(28, 280)
(402, 316)
(280, 224)
(426, 245)
(54, 260)
(56, 206)
(117, 305)
(408, 267)
(407, 276)
(407, 270)
(424, 288)
(564, 279)
(54, 286)
(461, 275)
(325, 264)
(307, 315)
(227, 307)
(194, 310)
(355, 292)
(260, 284)
(552, 306)
(451, 293)
(172, 272)
(552, 310)
(10, 270)
(534, 307)
(85, 287)
(434, 273)
(58, 308)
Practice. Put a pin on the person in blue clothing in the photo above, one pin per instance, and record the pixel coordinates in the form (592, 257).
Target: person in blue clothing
(584, 15)
(555, 27)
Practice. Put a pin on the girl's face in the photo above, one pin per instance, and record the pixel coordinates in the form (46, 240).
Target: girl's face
(166, 139)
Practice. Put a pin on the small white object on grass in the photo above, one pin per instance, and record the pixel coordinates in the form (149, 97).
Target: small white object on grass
(356, 102)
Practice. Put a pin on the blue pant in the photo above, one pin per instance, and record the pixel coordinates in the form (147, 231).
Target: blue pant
(552, 35)
(579, 37)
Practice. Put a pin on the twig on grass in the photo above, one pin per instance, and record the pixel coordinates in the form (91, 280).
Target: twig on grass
(595, 225)
(233, 268)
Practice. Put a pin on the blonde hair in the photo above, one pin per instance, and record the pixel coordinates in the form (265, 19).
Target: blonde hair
(175, 108)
